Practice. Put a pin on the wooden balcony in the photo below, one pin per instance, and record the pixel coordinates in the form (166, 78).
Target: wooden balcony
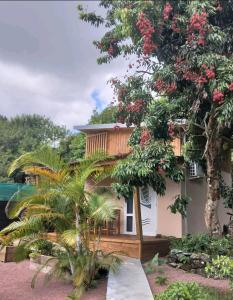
(110, 142)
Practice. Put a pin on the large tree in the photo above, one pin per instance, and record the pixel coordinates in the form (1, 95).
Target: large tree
(22, 134)
(107, 115)
(180, 49)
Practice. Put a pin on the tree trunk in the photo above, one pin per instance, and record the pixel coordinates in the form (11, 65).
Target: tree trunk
(213, 160)
(78, 239)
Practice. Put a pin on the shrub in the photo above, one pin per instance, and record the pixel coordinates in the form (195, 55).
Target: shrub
(182, 290)
(161, 280)
(203, 243)
(43, 247)
(220, 267)
(152, 266)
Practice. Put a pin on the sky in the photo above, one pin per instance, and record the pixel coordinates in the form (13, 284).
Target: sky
(48, 62)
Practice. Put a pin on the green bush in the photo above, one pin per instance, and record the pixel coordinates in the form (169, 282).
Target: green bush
(220, 267)
(152, 265)
(203, 243)
(43, 247)
(161, 280)
(182, 290)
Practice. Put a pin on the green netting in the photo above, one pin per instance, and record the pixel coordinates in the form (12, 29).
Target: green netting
(7, 190)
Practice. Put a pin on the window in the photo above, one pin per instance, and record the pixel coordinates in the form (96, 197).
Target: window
(129, 214)
(145, 198)
(195, 170)
(129, 223)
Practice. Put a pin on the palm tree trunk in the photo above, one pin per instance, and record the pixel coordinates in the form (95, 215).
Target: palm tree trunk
(213, 160)
(78, 239)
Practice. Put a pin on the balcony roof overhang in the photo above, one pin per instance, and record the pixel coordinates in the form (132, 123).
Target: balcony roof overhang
(97, 127)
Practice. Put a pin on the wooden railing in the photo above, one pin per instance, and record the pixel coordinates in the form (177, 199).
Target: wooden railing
(96, 142)
(112, 143)
(116, 143)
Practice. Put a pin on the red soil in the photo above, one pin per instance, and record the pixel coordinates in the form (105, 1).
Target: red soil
(15, 281)
(173, 275)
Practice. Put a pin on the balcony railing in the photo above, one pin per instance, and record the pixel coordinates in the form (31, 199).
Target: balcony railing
(96, 142)
(112, 143)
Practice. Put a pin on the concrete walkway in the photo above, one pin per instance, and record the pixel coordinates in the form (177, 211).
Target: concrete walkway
(129, 283)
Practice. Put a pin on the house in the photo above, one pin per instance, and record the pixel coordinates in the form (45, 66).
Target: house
(144, 220)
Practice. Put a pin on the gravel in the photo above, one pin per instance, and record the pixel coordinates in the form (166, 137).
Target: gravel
(15, 284)
(179, 275)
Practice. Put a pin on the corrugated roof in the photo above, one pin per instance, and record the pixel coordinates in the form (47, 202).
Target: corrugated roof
(93, 127)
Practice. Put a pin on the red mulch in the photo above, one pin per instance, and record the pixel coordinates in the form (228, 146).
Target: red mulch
(15, 281)
(173, 275)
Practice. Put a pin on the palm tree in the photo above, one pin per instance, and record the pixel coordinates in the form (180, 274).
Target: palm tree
(61, 202)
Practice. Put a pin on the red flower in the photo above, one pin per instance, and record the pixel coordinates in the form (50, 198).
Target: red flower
(145, 137)
(136, 106)
(230, 86)
(218, 96)
(120, 107)
(174, 25)
(110, 50)
(210, 73)
(171, 88)
(171, 128)
(167, 10)
(146, 29)
(200, 80)
(161, 86)
(197, 24)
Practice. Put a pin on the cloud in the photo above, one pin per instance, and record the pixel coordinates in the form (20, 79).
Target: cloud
(48, 63)
(66, 102)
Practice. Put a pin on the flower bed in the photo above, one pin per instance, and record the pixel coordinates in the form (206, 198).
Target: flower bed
(173, 275)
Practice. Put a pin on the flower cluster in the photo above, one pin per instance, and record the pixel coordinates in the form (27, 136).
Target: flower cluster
(146, 29)
(167, 10)
(171, 129)
(230, 86)
(168, 88)
(197, 24)
(111, 50)
(121, 93)
(174, 26)
(120, 106)
(136, 106)
(209, 72)
(218, 96)
(145, 137)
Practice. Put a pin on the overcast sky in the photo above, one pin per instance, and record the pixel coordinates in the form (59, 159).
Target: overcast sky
(48, 63)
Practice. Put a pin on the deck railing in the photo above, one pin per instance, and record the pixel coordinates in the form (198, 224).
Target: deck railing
(96, 142)
(111, 143)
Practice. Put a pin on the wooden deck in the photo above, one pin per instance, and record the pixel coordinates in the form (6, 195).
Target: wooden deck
(131, 246)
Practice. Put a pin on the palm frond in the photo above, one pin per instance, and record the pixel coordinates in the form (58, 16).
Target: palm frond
(46, 173)
(44, 156)
(69, 237)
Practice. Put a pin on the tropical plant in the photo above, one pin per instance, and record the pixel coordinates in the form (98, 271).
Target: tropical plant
(62, 204)
(203, 243)
(220, 267)
(161, 280)
(182, 290)
(180, 50)
(154, 263)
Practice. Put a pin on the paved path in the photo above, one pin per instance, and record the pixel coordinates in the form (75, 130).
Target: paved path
(129, 283)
